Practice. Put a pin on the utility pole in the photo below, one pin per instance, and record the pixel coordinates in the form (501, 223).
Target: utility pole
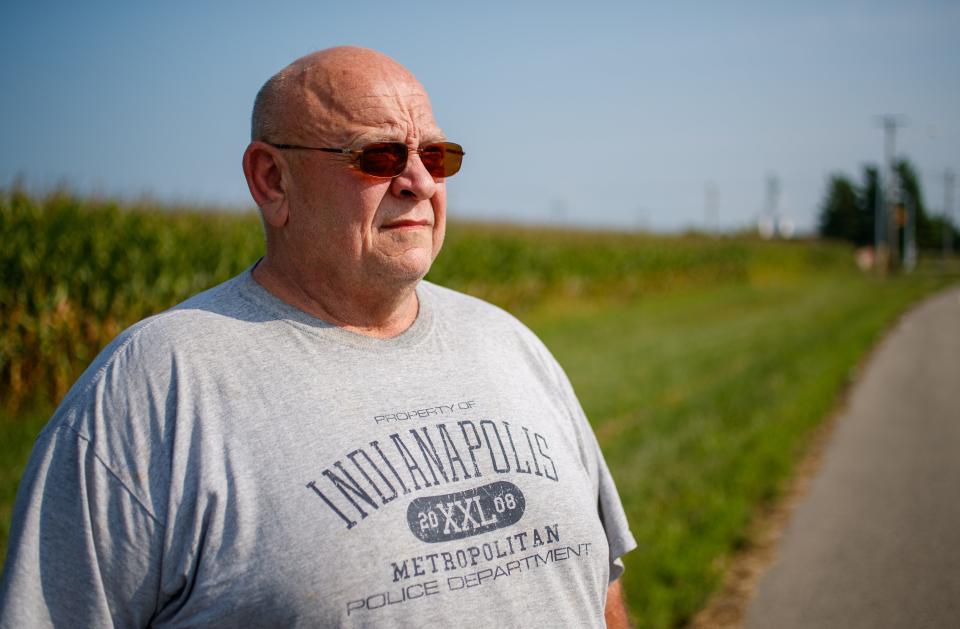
(910, 233)
(947, 213)
(890, 256)
(880, 228)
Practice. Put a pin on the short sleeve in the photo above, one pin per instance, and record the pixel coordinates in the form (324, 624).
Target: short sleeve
(614, 519)
(609, 506)
(83, 551)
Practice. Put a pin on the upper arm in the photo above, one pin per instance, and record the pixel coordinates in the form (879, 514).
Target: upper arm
(83, 550)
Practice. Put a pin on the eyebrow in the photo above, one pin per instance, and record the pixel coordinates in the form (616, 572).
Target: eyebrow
(370, 139)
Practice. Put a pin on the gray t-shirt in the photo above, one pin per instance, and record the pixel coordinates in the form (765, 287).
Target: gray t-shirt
(235, 461)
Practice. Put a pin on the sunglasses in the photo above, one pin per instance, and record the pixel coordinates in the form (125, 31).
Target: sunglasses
(389, 159)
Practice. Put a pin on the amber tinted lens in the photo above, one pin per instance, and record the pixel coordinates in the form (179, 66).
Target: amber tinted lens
(442, 159)
(383, 159)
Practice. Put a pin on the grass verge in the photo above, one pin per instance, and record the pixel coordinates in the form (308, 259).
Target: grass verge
(702, 402)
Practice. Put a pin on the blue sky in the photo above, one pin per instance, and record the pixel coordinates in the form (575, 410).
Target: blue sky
(595, 113)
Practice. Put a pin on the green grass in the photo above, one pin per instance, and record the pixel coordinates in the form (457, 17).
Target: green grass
(702, 401)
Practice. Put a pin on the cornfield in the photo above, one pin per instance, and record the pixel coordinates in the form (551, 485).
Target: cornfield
(76, 271)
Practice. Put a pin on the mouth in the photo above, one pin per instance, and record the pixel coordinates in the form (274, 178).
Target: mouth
(407, 224)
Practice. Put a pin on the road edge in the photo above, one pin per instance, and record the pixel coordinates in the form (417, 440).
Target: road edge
(727, 606)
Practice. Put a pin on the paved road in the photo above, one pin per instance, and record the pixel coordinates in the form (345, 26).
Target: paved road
(876, 542)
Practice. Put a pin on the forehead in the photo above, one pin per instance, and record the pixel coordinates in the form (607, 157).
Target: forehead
(401, 113)
(357, 104)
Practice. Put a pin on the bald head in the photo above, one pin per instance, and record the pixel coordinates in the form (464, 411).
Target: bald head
(344, 244)
(321, 94)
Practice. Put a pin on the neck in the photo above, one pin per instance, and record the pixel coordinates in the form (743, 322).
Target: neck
(381, 313)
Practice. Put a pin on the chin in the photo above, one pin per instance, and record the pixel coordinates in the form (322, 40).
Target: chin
(412, 266)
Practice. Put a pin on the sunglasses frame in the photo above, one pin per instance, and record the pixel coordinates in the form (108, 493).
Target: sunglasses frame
(357, 154)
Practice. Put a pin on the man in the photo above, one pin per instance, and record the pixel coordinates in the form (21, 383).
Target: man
(325, 439)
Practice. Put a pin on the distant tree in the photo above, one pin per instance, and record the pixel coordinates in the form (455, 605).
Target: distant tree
(840, 215)
(848, 212)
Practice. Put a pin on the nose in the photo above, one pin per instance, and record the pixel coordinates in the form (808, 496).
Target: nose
(414, 182)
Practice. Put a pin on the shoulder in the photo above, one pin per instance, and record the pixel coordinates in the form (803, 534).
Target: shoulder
(469, 316)
(202, 319)
(211, 312)
(143, 358)
(128, 404)
(454, 305)
(483, 327)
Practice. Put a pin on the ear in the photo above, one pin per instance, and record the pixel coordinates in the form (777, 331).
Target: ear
(263, 168)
